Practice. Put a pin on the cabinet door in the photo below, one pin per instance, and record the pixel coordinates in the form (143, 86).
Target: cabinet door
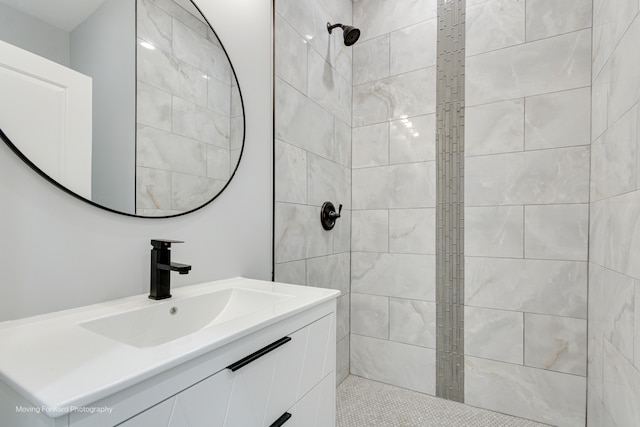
(317, 408)
(203, 404)
(262, 386)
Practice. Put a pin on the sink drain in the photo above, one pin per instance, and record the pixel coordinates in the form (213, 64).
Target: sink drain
(173, 310)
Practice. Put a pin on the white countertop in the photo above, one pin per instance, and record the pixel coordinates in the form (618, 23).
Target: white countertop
(56, 364)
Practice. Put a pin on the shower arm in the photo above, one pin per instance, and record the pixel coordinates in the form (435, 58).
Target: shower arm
(331, 27)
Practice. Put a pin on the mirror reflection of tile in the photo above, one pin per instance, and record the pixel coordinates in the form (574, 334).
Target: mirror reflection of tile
(189, 123)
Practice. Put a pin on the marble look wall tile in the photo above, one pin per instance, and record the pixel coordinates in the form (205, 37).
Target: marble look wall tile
(400, 186)
(198, 123)
(636, 341)
(331, 272)
(342, 233)
(371, 60)
(494, 128)
(549, 65)
(191, 84)
(546, 18)
(406, 95)
(291, 179)
(370, 315)
(154, 25)
(298, 233)
(328, 181)
(294, 272)
(234, 158)
(412, 322)
(611, 308)
(338, 9)
(236, 101)
(342, 56)
(556, 343)
(595, 359)
(192, 48)
(309, 19)
(494, 231)
(343, 316)
(413, 47)
(558, 119)
(402, 365)
(219, 97)
(412, 139)
(494, 24)
(188, 191)
(614, 243)
(236, 133)
(301, 122)
(291, 55)
(494, 334)
(179, 12)
(624, 85)
(610, 22)
(218, 163)
(614, 157)
(328, 88)
(157, 68)
(162, 150)
(599, 100)
(536, 394)
(342, 359)
(525, 285)
(376, 17)
(153, 188)
(370, 231)
(597, 414)
(621, 387)
(370, 145)
(412, 231)
(535, 177)
(395, 275)
(153, 107)
(556, 232)
(342, 139)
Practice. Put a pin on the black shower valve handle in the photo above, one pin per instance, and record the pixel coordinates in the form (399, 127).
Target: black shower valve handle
(334, 214)
(328, 215)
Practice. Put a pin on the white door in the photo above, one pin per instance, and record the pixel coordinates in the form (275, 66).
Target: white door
(45, 110)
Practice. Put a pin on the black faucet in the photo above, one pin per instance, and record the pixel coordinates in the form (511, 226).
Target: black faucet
(161, 268)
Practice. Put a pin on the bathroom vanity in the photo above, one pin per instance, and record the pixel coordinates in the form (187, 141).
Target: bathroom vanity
(236, 352)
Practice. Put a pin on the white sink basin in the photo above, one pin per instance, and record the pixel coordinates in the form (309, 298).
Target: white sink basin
(75, 357)
(175, 318)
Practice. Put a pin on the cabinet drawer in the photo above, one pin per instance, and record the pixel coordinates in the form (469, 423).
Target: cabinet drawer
(257, 389)
(264, 389)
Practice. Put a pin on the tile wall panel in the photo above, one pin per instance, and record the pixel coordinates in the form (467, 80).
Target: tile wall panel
(394, 188)
(313, 84)
(527, 196)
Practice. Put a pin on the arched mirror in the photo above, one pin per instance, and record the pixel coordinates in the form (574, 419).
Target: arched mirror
(131, 105)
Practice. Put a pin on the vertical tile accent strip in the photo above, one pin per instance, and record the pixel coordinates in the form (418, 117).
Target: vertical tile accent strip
(450, 200)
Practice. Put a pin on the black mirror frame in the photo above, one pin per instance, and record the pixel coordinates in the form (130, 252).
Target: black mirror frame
(40, 172)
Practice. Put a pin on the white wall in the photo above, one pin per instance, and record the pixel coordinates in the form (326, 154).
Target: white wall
(34, 35)
(57, 252)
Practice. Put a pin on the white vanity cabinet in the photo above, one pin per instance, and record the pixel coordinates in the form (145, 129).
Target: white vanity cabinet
(274, 368)
(293, 384)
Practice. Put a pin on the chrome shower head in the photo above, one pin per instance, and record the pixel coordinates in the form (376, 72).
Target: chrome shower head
(349, 33)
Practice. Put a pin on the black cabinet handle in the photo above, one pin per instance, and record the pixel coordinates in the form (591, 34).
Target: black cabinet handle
(280, 421)
(258, 354)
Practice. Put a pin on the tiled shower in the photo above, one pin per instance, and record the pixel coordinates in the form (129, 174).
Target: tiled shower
(551, 127)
